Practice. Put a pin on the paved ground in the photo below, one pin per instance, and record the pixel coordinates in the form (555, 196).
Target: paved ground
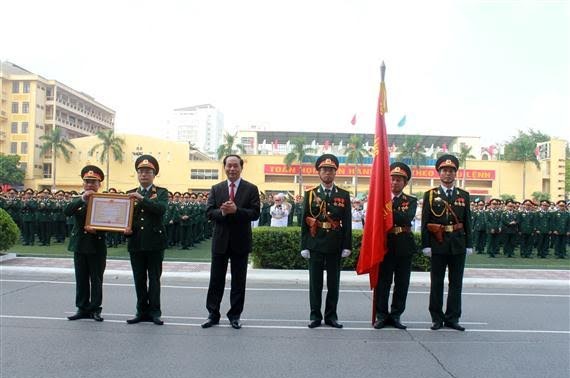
(474, 277)
(511, 332)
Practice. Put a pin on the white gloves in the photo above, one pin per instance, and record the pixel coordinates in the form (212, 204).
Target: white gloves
(306, 254)
(427, 252)
(469, 251)
(345, 253)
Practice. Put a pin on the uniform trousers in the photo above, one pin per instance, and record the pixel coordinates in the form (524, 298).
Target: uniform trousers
(89, 270)
(455, 265)
(147, 269)
(398, 269)
(318, 262)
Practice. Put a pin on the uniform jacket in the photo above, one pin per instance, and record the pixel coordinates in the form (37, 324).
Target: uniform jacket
(338, 208)
(434, 211)
(149, 231)
(403, 212)
(80, 240)
(233, 228)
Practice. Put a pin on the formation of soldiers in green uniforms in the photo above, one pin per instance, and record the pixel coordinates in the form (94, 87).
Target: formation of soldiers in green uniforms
(499, 227)
(529, 226)
(41, 219)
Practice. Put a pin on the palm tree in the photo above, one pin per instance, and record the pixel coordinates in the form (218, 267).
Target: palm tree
(464, 154)
(522, 148)
(230, 147)
(109, 143)
(298, 154)
(55, 143)
(412, 151)
(355, 153)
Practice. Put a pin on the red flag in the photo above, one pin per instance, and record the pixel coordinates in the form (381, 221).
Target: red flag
(379, 214)
(353, 120)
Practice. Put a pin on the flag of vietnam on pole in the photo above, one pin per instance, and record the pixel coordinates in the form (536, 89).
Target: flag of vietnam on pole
(379, 209)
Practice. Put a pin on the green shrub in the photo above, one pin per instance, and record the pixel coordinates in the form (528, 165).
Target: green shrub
(9, 232)
(279, 248)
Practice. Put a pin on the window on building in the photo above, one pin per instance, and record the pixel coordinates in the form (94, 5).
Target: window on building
(23, 166)
(25, 107)
(47, 170)
(15, 87)
(26, 87)
(204, 174)
(24, 148)
(14, 128)
(24, 128)
(15, 107)
(14, 147)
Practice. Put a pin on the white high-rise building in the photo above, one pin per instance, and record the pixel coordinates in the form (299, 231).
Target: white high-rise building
(201, 125)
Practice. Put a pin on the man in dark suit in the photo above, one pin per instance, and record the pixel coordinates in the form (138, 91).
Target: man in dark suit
(446, 237)
(232, 205)
(326, 236)
(397, 263)
(89, 250)
(147, 240)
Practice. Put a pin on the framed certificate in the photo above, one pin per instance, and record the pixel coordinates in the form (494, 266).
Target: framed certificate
(109, 212)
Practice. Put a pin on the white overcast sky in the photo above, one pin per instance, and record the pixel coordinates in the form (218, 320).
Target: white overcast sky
(469, 68)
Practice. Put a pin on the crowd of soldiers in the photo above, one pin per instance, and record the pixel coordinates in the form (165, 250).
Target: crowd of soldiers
(528, 225)
(39, 216)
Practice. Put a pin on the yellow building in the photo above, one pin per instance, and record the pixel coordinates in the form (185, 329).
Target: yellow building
(184, 170)
(31, 106)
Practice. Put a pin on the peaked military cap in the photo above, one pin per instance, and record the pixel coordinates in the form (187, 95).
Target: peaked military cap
(527, 201)
(560, 201)
(327, 160)
(46, 190)
(92, 172)
(12, 190)
(545, 202)
(447, 161)
(147, 161)
(400, 169)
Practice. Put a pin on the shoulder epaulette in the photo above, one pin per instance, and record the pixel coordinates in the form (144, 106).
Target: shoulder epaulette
(131, 190)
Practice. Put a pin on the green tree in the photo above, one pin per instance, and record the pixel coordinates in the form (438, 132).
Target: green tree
(464, 154)
(298, 154)
(413, 152)
(355, 152)
(56, 143)
(9, 171)
(110, 143)
(522, 148)
(230, 146)
(540, 196)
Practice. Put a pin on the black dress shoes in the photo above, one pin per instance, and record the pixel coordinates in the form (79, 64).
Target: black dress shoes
(235, 324)
(454, 325)
(436, 325)
(80, 315)
(97, 317)
(314, 324)
(333, 323)
(136, 319)
(396, 323)
(209, 322)
(157, 320)
(379, 324)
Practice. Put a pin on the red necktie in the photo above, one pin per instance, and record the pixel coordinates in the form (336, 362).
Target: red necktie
(232, 191)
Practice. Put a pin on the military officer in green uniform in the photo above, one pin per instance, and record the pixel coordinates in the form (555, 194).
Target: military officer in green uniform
(185, 215)
(560, 229)
(479, 227)
(13, 206)
(147, 240)
(59, 217)
(29, 206)
(326, 236)
(44, 216)
(397, 263)
(89, 250)
(526, 228)
(510, 228)
(446, 237)
(493, 218)
(542, 228)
